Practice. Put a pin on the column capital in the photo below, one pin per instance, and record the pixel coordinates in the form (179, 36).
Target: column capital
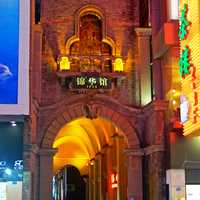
(47, 151)
(142, 32)
(134, 152)
(31, 148)
(153, 149)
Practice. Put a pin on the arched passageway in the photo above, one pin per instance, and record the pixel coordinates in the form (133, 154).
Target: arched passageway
(100, 142)
(96, 148)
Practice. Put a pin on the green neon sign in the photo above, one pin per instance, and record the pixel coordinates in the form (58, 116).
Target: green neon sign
(184, 62)
(183, 23)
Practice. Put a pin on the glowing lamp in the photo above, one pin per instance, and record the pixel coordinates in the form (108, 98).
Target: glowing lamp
(118, 65)
(64, 63)
(114, 180)
(8, 171)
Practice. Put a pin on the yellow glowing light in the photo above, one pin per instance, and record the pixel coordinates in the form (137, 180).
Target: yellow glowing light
(64, 63)
(80, 140)
(118, 65)
(174, 102)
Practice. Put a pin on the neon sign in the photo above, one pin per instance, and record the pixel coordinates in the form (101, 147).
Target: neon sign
(189, 65)
(184, 62)
(183, 23)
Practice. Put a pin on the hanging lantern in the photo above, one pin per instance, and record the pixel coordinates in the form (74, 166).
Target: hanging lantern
(118, 65)
(64, 63)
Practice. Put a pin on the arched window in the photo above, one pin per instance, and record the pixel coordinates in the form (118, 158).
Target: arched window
(90, 53)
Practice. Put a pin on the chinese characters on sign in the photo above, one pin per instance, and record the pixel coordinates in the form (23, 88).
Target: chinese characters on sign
(183, 23)
(91, 82)
(184, 62)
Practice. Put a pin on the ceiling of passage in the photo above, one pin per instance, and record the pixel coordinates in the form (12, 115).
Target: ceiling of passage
(80, 140)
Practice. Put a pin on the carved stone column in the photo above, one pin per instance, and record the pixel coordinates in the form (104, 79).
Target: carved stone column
(91, 180)
(98, 177)
(144, 68)
(104, 173)
(30, 170)
(46, 173)
(135, 184)
(156, 170)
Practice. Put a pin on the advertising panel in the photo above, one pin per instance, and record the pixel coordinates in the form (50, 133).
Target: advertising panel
(192, 192)
(189, 64)
(14, 56)
(11, 163)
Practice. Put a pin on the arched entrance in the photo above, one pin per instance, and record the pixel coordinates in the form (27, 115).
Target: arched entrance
(108, 147)
(95, 147)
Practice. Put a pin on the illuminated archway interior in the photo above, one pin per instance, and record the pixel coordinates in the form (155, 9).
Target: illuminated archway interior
(79, 141)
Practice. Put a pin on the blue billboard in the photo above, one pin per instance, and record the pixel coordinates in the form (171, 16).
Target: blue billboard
(14, 56)
(9, 45)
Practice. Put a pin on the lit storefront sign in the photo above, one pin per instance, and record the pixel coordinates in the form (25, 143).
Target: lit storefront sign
(14, 57)
(184, 109)
(114, 180)
(11, 147)
(91, 82)
(192, 192)
(189, 64)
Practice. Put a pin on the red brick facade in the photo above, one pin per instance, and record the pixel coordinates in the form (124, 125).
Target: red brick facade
(52, 106)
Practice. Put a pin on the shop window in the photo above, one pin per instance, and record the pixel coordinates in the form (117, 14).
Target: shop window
(37, 11)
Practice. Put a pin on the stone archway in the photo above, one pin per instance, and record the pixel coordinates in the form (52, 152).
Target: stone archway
(77, 110)
(110, 111)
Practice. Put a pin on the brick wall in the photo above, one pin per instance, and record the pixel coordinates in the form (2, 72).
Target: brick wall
(58, 24)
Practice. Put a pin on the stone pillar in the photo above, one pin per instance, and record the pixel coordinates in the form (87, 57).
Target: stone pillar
(135, 178)
(91, 180)
(144, 66)
(30, 170)
(156, 68)
(156, 171)
(46, 173)
(110, 161)
(119, 165)
(104, 173)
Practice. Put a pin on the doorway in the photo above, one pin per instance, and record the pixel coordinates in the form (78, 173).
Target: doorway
(90, 163)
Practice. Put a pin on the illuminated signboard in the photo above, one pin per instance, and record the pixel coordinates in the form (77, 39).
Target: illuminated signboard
(192, 192)
(183, 23)
(11, 148)
(184, 109)
(173, 9)
(14, 56)
(114, 180)
(189, 63)
(91, 82)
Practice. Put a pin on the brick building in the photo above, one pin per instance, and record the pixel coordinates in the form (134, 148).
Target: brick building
(93, 103)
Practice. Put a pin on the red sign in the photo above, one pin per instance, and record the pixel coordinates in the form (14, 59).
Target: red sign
(114, 180)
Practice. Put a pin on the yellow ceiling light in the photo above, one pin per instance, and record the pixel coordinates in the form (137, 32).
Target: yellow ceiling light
(80, 140)
(72, 152)
(75, 131)
(87, 124)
